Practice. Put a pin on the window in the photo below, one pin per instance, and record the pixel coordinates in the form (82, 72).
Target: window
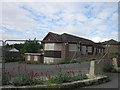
(54, 54)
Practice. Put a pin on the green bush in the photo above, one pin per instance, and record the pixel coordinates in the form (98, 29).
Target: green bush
(108, 67)
(23, 80)
(5, 79)
(64, 62)
(60, 78)
(64, 77)
(70, 61)
(79, 77)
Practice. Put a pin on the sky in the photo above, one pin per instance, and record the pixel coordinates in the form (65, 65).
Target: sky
(97, 21)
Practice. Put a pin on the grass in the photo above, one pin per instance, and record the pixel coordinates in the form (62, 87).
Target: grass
(97, 57)
(63, 62)
(77, 61)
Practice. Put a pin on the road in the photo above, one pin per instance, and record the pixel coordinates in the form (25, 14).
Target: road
(50, 69)
(112, 84)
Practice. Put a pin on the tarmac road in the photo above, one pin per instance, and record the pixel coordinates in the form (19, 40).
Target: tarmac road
(50, 69)
(112, 84)
(83, 67)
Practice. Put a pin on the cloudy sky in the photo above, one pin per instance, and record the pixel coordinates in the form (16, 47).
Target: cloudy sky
(92, 20)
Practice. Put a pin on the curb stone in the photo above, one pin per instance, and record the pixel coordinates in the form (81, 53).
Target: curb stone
(73, 84)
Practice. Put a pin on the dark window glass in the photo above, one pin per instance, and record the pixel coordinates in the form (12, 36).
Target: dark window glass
(54, 54)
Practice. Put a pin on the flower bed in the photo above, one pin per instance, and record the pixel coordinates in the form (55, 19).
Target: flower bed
(64, 77)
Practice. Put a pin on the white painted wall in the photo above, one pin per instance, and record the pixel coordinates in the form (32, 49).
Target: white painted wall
(35, 58)
(49, 60)
(53, 46)
(73, 47)
(28, 58)
(83, 49)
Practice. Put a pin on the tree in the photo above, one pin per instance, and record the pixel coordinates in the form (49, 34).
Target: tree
(31, 46)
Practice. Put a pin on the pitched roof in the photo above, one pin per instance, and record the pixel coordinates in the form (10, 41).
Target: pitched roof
(110, 42)
(69, 38)
(56, 36)
(13, 50)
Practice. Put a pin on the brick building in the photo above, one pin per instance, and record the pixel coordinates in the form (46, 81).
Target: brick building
(62, 47)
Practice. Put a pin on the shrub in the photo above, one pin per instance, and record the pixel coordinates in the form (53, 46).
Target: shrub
(73, 61)
(64, 62)
(65, 77)
(108, 67)
(5, 79)
(79, 77)
(22, 77)
(24, 80)
(60, 78)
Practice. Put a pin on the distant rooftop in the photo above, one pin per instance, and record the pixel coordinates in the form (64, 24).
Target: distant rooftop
(112, 41)
(13, 50)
